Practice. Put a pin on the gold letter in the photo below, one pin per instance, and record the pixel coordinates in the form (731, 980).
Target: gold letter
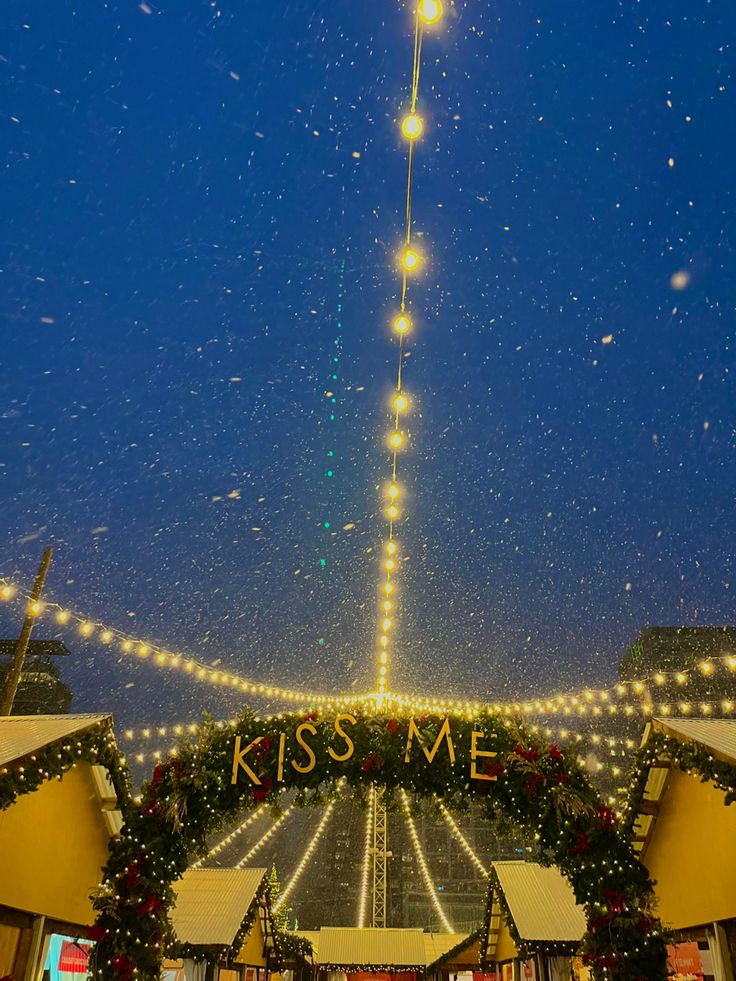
(444, 733)
(475, 753)
(305, 727)
(350, 744)
(280, 770)
(239, 760)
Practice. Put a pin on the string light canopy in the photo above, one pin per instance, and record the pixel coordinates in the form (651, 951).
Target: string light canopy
(422, 862)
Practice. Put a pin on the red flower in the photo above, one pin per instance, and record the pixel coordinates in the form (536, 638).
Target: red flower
(494, 769)
(372, 762)
(158, 775)
(562, 777)
(123, 966)
(531, 755)
(259, 794)
(392, 726)
(555, 753)
(606, 816)
(581, 844)
(311, 716)
(533, 783)
(96, 933)
(263, 747)
(132, 876)
(151, 904)
(150, 809)
(616, 902)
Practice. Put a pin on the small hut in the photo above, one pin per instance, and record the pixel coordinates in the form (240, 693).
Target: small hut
(685, 833)
(533, 925)
(223, 926)
(54, 838)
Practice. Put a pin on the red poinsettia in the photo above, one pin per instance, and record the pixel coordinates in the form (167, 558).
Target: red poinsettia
(371, 763)
(606, 816)
(263, 747)
(311, 716)
(123, 966)
(392, 726)
(562, 777)
(555, 753)
(533, 783)
(259, 794)
(494, 769)
(151, 904)
(530, 755)
(96, 933)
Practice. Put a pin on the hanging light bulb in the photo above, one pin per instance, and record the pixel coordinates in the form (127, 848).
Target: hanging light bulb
(395, 440)
(401, 403)
(392, 512)
(401, 323)
(410, 259)
(412, 126)
(430, 11)
(391, 547)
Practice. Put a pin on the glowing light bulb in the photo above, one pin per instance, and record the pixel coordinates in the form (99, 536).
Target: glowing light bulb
(143, 650)
(383, 640)
(35, 608)
(430, 11)
(7, 592)
(392, 512)
(383, 670)
(388, 588)
(127, 646)
(386, 625)
(393, 491)
(391, 549)
(410, 259)
(106, 636)
(384, 657)
(387, 606)
(680, 678)
(402, 323)
(395, 440)
(706, 667)
(62, 616)
(86, 629)
(401, 403)
(389, 565)
(412, 126)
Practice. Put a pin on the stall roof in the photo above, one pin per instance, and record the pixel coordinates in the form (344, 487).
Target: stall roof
(541, 902)
(211, 904)
(21, 735)
(437, 946)
(379, 948)
(718, 735)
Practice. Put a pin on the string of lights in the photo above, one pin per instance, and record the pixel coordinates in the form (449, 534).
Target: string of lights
(410, 262)
(463, 841)
(267, 835)
(230, 838)
(422, 862)
(308, 853)
(366, 865)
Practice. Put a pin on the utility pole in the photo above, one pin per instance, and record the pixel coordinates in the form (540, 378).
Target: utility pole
(11, 682)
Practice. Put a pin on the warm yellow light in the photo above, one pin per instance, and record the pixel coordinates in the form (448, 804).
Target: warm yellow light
(384, 657)
(659, 678)
(62, 616)
(395, 440)
(412, 126)
(731, 662)
(86, 629)
(392, 512)
(391, 547)
(383, 640)
(393, 492)
(402, 323)
(7, 592)
(388, 588)
(387, 606)
(386, 625)
(401, 403)
(383, 670)
(389, 565)
(680, 678)
(430, 11)
(706, 667)
(127, 646)
(106, 636)
(410, 259)
(35, 608)
(143, 650)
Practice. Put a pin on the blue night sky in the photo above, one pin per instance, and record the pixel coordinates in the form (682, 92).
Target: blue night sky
(203, 205)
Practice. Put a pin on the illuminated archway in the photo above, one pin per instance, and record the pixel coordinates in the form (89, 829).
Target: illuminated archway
(488, 760)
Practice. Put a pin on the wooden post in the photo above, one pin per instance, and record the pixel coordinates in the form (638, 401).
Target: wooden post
(11, 682)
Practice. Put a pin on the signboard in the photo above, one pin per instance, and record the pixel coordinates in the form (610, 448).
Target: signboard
(684, 961)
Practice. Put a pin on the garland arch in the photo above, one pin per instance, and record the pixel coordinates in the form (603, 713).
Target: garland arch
(486, 760)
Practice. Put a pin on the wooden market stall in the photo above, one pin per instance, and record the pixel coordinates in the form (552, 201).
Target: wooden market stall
(533, 925)
(222, 922)
(53, 839)
(685, 834)
(452, 956)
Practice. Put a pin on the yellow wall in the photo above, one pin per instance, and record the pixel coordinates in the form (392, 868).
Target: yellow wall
(53, 844)
(251, 953)
(692, 853)
(505, 947)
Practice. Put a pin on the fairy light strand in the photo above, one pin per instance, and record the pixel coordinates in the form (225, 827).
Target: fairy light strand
(423, 867)
(462, 840)
(270, 832)
(366, 866)
(308, 853)
(230, 838)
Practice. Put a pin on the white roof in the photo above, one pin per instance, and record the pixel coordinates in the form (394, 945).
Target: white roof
(370, 946)
(541, 902)
(211, 904)
(719, 735)
(21, 735)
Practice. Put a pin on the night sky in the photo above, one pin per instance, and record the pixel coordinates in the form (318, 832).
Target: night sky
(203, 206)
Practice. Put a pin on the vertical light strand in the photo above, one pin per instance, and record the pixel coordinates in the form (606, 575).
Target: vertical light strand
(428, 11)
(423, 867)
(224, 842)
(366, 867)
(262, 841)
(460, 837)
(308, 852)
